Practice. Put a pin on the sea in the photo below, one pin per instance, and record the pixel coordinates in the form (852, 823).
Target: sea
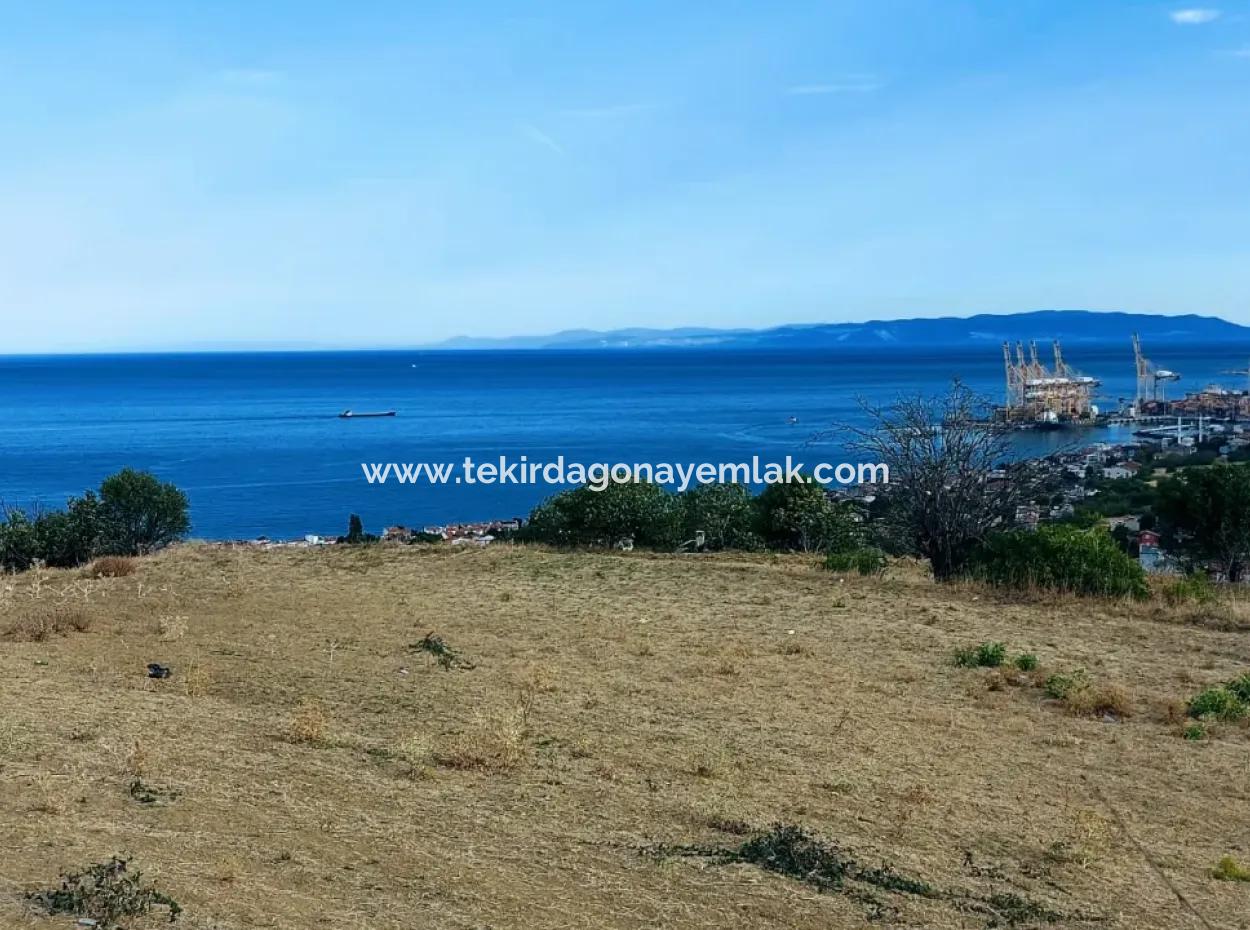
(255, 439)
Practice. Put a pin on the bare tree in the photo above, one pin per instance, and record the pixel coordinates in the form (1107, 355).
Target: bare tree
(952, 479)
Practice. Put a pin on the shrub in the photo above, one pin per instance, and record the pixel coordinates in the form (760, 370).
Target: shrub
(1059, 558)
(106, 893)
(140, 514)
(725, 513)
(71, 536)
(986, 655)
(1241, 688)
(112, 566)
(866, 560)
(799, 515)
(19, 542)
(42, 623)
(1192, 589)
(1229, 869)
(1060, 686)
(1026, 662)
(1098, 700)
(308, 724)
(1217, 703)
(639, 511)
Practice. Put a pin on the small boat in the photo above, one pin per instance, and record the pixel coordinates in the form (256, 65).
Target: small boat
(352, 415)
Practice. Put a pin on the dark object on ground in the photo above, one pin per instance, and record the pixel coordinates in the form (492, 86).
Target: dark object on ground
(158, 671)
(106, 893)
(791, 851)
(443, 654)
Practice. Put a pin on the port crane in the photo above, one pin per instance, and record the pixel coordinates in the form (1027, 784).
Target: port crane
(1149, 377)
(1041, 394)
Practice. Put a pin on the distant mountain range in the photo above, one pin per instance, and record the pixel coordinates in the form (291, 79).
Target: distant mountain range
(1070, 326)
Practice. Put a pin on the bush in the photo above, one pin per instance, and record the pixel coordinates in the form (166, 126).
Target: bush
(639, 511)
(1098, 701)
(106, 893)
(1061, 687)
(1060, 559)
(799, 515)
(112, 566)
(865, 559)
(986, 655)
(41, 623)
(1026, 662)
(1217, 704)
(19, 542)
(1192, 589)
(725, 513)
(1229, 869)
(71, 536)
(1241, 688)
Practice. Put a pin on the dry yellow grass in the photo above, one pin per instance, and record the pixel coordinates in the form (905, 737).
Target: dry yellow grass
(322, 774)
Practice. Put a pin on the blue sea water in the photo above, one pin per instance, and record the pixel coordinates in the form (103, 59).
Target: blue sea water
(256, 442)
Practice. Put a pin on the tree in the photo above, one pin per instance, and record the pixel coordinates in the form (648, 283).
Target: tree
(140, 514)
(636, 510)
(799, 515)
(355, 530)
(725, 513)
(19, 542)
(952, 483)
(1205, 516)
(71, 536)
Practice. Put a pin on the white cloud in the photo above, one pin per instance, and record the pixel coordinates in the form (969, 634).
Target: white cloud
(534, 134)
(1194, 16)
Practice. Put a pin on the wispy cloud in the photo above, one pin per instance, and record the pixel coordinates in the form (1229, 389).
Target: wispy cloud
(536, 135)
(1195, 16)
(852, 84)
(612, 111)
(1243, 52)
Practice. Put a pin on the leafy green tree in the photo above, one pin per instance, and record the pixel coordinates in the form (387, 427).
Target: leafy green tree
(19, 542)
(355, 530)
(71, 536)
(799, 515)
(640, 511)
(1205, 516)
(725, 513)
(140, 514)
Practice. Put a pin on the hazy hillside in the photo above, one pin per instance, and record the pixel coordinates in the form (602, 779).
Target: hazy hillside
(1072, 326)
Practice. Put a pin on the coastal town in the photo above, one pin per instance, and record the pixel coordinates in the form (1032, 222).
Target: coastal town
(1098, 482)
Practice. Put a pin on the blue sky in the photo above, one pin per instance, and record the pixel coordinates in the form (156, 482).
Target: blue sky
(331, 174)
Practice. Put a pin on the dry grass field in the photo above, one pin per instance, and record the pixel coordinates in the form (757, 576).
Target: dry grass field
(303, 766)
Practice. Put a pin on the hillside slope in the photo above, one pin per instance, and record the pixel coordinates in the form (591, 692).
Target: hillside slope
(304, 767)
